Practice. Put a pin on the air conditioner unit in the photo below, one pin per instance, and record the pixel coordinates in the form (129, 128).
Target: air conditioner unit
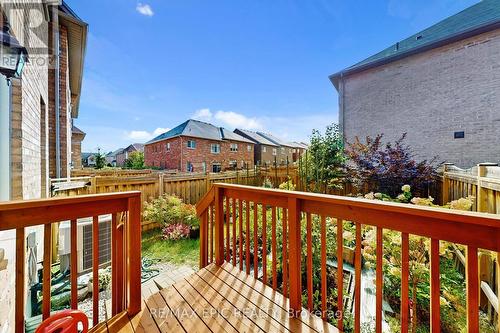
(84, 243)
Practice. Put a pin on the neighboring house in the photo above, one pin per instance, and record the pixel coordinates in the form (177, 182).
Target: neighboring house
(267, 150)
(285, 151)
(89, 159)
(196, 146)
(123, 155)
(111, 156)
(441, 86)
(299, 149)
(37, 112)
(77, 136)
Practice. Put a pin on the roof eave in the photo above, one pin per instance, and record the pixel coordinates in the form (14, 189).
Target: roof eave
(335, 78)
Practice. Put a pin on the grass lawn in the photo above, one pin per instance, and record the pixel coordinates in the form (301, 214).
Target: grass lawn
(179, 252)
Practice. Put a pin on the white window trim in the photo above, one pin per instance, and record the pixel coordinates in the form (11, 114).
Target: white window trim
(212, 145)
(187, 144)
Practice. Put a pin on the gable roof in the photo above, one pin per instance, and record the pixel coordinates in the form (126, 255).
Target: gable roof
(275, 140)
(255, 137)
(87, 155)
(135, 147)
(479, 18)
(199, 129)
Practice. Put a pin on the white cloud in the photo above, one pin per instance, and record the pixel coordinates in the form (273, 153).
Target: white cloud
(143, 136)
(203, 115)
(229, 119)
(144, 9)
(233, 119)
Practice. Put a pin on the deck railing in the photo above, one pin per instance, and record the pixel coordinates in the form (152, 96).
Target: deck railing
(125, 246)
(237, 220)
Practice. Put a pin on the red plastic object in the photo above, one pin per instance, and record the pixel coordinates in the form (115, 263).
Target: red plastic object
(64, 322)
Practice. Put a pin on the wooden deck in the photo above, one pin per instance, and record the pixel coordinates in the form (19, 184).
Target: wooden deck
(214, 299)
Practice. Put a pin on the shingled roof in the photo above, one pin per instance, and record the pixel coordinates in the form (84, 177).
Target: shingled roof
(479, 18)
(255, 137)
(199, 129)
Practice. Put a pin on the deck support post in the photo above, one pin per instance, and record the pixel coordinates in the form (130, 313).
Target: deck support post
(134, 255)
(294, 220)
(219, 226)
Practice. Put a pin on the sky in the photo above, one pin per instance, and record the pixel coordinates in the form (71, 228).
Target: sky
(260, 64)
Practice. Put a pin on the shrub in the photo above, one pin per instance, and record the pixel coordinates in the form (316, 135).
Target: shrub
(176, 231)
(288, 185)
(169, 209)
(385, 168)
(267, 183)
(135, 160)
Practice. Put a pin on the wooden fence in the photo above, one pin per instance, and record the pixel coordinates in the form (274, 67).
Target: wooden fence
(482, 182)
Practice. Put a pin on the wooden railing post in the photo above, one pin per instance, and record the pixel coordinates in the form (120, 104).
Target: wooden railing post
(160, 184)
(219, 225)
(204, 239)
(446, 184)
(482, 194)
(295, 256)
(134, 255)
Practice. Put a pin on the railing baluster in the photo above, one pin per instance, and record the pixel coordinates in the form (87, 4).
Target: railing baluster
(255, 241)
(357, 282)
(240, 209)
(379, 281)
(295, 260)
(20, 272)
(211, 233)
(405, 271)
(134, 255)
(340, 274)
(228, 249)
(95, 270)
(323, 267)
(247, 234)
(120, 271)
(47, 274)
(219, 226)
(273, 246)
(114, 272)
(284, 249)
(435, 287)
(264, 243)
(498, 286)
(74, 266)
(203, 239)
(309, 263)
(233, 221)
(472, 290)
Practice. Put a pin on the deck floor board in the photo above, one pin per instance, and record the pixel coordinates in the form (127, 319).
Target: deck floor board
(214, 299)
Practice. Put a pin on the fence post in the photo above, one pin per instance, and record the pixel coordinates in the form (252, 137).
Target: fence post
(207, 182)
(295, 256)
(93, 185)
(160, 184)
(219, 226)
(445, 195)
(482, 194)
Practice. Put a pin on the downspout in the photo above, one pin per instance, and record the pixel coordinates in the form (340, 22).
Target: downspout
(5, 131)
(342, 108)
(57, 89)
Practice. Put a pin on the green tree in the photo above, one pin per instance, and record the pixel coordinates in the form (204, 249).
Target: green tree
(100, 159)
(135, 160)
(322, 166)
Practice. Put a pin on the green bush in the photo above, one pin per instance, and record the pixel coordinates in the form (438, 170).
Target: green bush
(168, 210)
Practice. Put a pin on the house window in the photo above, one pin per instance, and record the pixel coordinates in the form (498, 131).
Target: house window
(189, 167)
(275, 151)
(294, 150)
(191, 144)
(215, 148)
(264, 149)
(459, 135)
(233, 164)
(283, 150)
(249, 148)
(216, 167)
(204, 166)
(168, 146)
(234, 147)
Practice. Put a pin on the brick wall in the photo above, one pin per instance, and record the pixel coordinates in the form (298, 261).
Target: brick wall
(430, 96)
(156, 154)
(64, 109)
(76, 150)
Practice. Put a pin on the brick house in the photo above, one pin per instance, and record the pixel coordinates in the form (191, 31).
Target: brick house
(40, 139)
(122, 155)
(196, 146)
(299, 149)
(268, 148)
(441, 86)
(77, 136)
